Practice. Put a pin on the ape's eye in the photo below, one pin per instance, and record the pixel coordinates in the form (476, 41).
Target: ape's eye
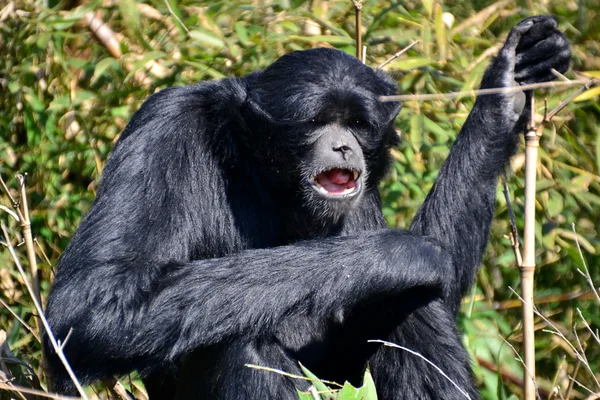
(317, 120)
(360, 123)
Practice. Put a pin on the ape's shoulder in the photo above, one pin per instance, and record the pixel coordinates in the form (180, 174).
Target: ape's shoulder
(203, 104)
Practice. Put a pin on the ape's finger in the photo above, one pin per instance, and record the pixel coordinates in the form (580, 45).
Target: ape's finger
(533, 72)
(515, 35)
(546, 48)
(542, 28)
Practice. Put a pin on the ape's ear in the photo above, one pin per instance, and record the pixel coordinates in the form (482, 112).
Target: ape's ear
(253, 110)
(392, 109)
(387, 87)
(251, 105)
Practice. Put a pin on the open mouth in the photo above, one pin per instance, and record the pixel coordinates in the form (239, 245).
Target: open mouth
(337, 182)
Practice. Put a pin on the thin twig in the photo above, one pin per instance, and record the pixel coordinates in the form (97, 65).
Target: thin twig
(389, 344)
(586, 271)
(15, 390)
(25, 324)
(515, 241)
(12, 200)
(41, 393)
(63, 343)
(176, 17)
(581, 385)
(572, 381)
(559, 75)
(582, 348)
(589, 328)
(520, 359)
(480, 92)
(40, 311)
(9, 212)
(558, 333)
(569, 99)
(46, 259)
(283, 373)
(398, 54)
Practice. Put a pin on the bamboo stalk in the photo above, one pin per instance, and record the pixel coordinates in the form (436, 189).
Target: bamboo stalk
(26, 227)
(527, 267)
(358, 14)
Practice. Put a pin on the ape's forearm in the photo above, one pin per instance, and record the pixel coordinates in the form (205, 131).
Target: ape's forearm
(459, 209)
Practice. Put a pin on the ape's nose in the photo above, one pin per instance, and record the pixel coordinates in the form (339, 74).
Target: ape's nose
(342, 148)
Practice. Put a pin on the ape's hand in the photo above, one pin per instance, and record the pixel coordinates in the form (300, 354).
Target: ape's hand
(542, 48)
(533, 48)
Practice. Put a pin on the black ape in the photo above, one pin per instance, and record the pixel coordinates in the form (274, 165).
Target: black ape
(238, 222)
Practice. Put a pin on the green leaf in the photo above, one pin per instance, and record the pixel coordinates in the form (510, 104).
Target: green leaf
(426, 38)
(316, 382)
(242, 33)
(131, 15)
(501, 392)
(60, 103)
(442, 135)
(83, 95)
(369, 390)
(35, 103)
(588, 94)
(428, 5)
(555, 204)
(440, 31)
(207, 39)
(122, 112)
(412, 63)
(349, 392)
(205, 68)
(416, 132)
(103, 66)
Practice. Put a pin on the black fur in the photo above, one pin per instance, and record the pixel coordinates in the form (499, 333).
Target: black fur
(207, 248)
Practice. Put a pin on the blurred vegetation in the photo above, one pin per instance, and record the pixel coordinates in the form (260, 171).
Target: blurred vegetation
(65, 96)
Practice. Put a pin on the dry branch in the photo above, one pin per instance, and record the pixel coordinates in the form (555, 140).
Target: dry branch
(20, 390)
(398, 54)
(112, 41)
(480, 92)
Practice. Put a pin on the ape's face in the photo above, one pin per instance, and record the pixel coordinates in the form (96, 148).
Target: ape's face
(333, 167)
(328, 135)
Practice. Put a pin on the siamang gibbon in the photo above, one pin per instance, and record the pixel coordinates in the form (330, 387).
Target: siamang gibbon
(238, 222)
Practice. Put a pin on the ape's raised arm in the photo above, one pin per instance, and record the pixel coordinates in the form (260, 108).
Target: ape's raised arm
(459, 209)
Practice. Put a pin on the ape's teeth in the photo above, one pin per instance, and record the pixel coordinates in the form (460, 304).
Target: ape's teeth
(355, 174)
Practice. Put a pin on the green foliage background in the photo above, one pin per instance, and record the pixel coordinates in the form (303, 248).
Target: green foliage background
(64, 99)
